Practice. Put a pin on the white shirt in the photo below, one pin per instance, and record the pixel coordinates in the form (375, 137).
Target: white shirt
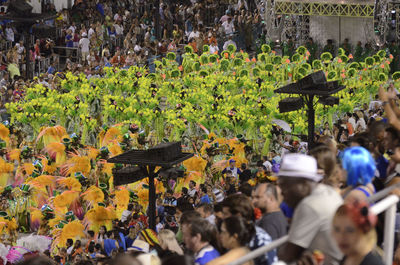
(352, 121)
(267, 165)
(211, 219)
(84, 44)
(193, 35)
(361, 123)
(228, 27)
(72, 28)
(9, 34)
(312, 222)
(192, 192)
(119, 29)
(69, 250)
(125, 215)
(90, 32)
(213, 49)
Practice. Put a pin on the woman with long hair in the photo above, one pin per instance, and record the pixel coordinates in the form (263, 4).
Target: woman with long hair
(353, 229)
(168, 241)
(102, 234)
(234, 235)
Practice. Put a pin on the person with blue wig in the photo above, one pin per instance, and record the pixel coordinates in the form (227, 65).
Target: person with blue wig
(360, 170)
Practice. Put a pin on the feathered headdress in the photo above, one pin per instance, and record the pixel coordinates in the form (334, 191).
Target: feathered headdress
(35, 243)
(4, 134)
(93, 195)
(71, 183)
(64, 200)
(195, 163)
(5, 170)
(76, 164)
(74, 230)
(99, 216)
(56, 150)
(51, 134)
(121, 199)
(15, 155)
(92, 152)
(112, 134)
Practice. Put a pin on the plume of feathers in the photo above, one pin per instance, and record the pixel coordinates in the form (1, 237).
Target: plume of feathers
(71, 183)
(4, 134)
(56, 150)
(112, 134)
(64, 200)
(15, 155)
(35, 243)
(76, 164)
(99, 215)
(93, 195)
(74, 230)
(51, 134)
(4, 252)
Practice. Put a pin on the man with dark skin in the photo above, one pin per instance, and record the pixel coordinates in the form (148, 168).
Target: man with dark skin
(314, 205)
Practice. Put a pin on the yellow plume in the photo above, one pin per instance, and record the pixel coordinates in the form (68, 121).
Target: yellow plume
(111, 134)
(93, 195)
(15, 155)
(93, 152)
(71, 183)
(43, 181)
(4, 134)
(12, 226)
(122, 198)
(115, 149)
(74, 230)
(28, 167)
(5, 167)
(51, 134)
(98, 216)
(48, 168)
(76, 164)
(195, 163)
(64, 200)
(107, 168)
(36, 215)
(56, 151)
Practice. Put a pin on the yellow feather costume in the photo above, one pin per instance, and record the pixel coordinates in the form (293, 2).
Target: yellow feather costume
(51, 134)
(4, 134)
(56, 152)
(73, 230)
(71, 183)
(93, 195)
(112, 134)
(121, 200)
(76, 164)
(115, 149)
(15, 155)
(48, 168)
(195, 163)
(5, 170)
(92, 152)
(99, 215)
(64, 200)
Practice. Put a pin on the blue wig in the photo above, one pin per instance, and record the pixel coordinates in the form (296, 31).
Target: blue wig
(360, 166)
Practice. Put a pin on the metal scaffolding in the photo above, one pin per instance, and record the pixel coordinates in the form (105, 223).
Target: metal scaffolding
(365, 9)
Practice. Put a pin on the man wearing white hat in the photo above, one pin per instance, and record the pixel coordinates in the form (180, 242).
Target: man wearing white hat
(84, 44)
(314, 206)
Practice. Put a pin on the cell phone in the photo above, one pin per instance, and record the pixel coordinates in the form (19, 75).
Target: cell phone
(390, 152)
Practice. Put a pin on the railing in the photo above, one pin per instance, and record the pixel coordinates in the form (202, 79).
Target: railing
(387, 205)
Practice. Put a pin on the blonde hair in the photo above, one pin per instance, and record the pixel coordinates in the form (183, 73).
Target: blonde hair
(168, 241)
